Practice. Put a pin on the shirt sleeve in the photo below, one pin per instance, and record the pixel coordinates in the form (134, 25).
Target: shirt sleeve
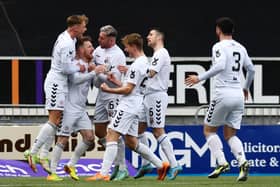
(248, 65)
(156, 63)
(101, 78)
(68, 65)
(218, 61)
(119, 60)
(133, 75)
(78, 78)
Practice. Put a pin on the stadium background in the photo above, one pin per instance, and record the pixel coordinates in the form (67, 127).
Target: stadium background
(32, 27)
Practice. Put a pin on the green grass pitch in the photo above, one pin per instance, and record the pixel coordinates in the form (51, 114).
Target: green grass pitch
(150, 181)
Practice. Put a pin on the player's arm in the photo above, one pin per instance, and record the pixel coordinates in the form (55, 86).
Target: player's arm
(78, 78)
(151, 73)
(131, 80)
(68, 65)
(250, 73)
(125, 89)
(155, 66)
(219, 65)
(109, 79)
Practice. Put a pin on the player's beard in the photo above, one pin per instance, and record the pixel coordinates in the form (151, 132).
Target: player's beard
(89, 57)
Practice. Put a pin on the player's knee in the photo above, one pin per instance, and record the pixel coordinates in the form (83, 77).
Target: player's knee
(62, 140)
(90, 142)
(157, 132)
(131, 143)
(89, 138)
(228, 136)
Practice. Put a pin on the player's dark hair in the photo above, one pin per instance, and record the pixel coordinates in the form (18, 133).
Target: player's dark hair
(158, 31)
(81, 40)
(226, 25)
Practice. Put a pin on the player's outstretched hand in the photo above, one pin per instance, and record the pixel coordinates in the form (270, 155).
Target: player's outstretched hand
(191, 80)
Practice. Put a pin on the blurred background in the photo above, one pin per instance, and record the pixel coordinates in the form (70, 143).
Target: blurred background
(30, 27)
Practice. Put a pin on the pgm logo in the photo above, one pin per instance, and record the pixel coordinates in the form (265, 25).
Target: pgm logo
(188, 147)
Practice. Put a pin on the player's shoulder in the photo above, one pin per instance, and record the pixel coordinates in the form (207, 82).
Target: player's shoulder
(98, 50)
(242, 47)
(64, 40)
(161, 52)
(117, 50)
(142, 61)
(217, 45)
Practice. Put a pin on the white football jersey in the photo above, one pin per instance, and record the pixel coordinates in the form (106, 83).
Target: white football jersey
(137, 75)
(228, 59)
(112, 57)
(63, 53)
(161, 63)
(78, 86)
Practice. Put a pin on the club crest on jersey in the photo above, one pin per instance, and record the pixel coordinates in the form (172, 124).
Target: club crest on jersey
(154, 62)
(132, 74)
(218, 54)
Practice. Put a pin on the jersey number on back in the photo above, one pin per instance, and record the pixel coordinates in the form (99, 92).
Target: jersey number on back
(236, 66)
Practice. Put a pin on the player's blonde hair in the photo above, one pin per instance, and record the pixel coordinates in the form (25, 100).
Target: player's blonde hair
(76, 20)
(133, 39)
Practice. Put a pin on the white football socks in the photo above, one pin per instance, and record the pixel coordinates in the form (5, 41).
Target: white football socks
(237, 149)
(142, 138)
(109, 156)
(146, 153)
(56, 155)
(47, 131)
(216, 148)
(167, 148)
(78, 152)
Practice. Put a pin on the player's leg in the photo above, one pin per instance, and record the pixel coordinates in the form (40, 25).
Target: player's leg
(141, 131)
(63, 134)
(120, 171)
(235, 144)
(44, 154)
(47, 132)
(55, 98)
(87, 141)
(84, 126)
(214, 117)
(146, 166)
(236, 147)
(146, 153)
(101, 121)
(157, 106)
(109, 156)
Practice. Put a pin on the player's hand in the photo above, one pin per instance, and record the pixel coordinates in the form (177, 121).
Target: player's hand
(113, 79)
(82, 67)
(191, 80)
(246, 94)
(100, 69)
(91, 67)
(104, 87)
(122, 68)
